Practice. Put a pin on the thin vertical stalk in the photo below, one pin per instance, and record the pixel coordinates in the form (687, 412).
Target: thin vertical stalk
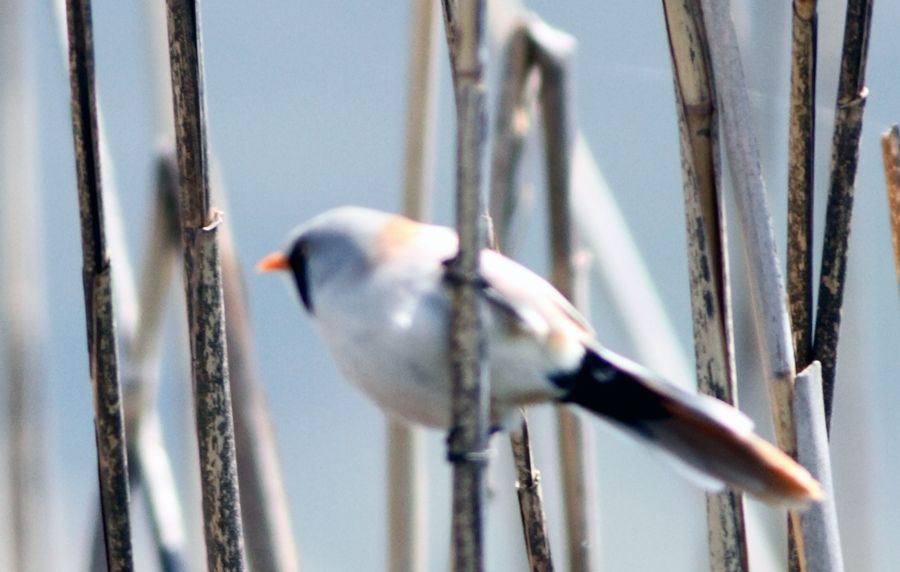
(204, 295)
(767, 290)
(151, 467)
(99, 310)
(801, 159)
(708, 267)
(553, 53)
(890, 154)
(517, 97)
(468, 437)
(136, 324)
(511, 126)
(531, 502)
(851, 101)
(766, 284)
(23, 298)
(407, 502)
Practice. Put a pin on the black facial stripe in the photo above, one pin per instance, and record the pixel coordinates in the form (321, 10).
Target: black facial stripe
(297, 260)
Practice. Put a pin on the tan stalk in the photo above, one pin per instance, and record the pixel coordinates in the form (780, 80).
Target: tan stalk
(708, 266)
(517, 98)
(531, 503)
(468, 437)
(407, 530)
(767, 291)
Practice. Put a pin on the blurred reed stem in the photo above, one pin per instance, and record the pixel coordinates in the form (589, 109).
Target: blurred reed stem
(517, 99)
(511, 126)
(851, 101)
(708, 257)
(99, 309)
(553, 52)
(203, 292)
(23, 301)
(468, 437)
(407, 531)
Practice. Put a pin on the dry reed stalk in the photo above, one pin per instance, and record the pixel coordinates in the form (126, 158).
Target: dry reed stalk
(767, 290)
(23, 316)
(407, 490)
(204, 295)
(801, 160)
(553, 54)
(468, 437)
(531, 503)
(819, 522)
(851, 101)
(536, 50)
(511, 126)
(151, 467)
(517, 97)
(890, 153)
(99, 309)
(708, 267)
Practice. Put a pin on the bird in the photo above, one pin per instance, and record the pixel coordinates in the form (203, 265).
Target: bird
(377, 289)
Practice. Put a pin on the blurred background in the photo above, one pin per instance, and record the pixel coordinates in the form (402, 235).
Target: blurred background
(306, 111)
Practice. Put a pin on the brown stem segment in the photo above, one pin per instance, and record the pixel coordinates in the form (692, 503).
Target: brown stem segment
(531, 503)
(767, 289)
(510, 129)
(203, 290)
(851, 102)
(468, 437)
(801, 157)
(553, 55)
(708, 268)
(97, 277)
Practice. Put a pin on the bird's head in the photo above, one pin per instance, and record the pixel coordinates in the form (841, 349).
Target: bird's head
(336, 245)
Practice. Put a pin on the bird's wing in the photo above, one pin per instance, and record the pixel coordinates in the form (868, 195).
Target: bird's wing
(518, 292)
(527, 303)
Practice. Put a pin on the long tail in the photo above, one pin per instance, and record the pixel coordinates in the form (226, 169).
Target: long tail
(704, 433)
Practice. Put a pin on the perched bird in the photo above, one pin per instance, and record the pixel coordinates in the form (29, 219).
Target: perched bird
(375, 285)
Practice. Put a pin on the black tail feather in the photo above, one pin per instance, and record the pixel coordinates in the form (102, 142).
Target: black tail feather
(616, 390)
(703, 433)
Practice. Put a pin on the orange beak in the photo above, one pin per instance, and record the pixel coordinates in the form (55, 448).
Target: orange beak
(272, 262)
